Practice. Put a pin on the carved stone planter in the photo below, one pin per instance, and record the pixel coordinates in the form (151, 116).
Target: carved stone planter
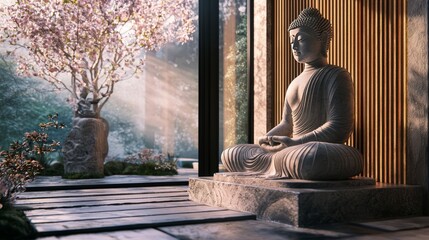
(86, 147)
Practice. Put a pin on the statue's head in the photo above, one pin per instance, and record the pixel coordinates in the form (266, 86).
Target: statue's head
(310, 34)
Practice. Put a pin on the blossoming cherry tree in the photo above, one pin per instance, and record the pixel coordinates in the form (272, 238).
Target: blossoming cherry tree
(86, 47)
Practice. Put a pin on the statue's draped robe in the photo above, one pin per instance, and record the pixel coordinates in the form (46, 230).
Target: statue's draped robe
(323, 121)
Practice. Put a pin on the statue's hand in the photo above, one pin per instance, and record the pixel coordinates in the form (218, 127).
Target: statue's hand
(276, 143)
(264, 140)
(274, 148)
(269, 143)
(267, 140)
(284, 140)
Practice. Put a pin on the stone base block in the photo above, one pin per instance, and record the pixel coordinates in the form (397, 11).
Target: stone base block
(307, 203)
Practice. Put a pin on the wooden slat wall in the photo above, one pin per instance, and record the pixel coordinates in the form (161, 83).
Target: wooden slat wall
(369, 40)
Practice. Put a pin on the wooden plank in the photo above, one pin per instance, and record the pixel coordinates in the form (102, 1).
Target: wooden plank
(398, 224)
(252, 229)
(108, 208)
(100, 225)
(100, 203)
(141, 234)
(96, 198)
(98, 192)
(122, 214)
(118, 183)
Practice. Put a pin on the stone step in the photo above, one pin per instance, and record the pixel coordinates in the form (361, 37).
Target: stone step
(261, 180)
(342, 201)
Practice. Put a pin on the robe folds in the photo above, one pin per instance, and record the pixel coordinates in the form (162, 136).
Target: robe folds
(323, 120)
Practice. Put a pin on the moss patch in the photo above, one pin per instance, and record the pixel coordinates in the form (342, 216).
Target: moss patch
(116, 168)
(82, 176)
(56, 169)
(148, 168)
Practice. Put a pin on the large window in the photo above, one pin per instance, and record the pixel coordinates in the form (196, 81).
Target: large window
(160, 108)
(156, 109)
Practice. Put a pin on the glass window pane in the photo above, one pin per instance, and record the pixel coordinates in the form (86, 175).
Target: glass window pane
(157, 108)
(233, 73)
(162, 103)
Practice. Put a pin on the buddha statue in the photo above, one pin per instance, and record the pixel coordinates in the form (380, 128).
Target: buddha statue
(317, 118)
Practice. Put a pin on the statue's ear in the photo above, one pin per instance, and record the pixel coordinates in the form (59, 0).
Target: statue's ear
(324, 37)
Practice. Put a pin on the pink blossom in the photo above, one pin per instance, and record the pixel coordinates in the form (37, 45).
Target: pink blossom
(95, 42)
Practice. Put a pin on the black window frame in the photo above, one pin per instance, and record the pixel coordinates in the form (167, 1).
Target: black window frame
(208, 84)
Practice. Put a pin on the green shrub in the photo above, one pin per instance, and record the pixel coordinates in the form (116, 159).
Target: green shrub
(130, 169)
(82, 176)
(114, 168)
(15, 225)
(149, 162)
(23, 160)
(146, 162)
(151, 168)
(56, 169)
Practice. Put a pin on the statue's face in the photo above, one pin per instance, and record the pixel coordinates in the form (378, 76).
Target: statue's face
(306, 46)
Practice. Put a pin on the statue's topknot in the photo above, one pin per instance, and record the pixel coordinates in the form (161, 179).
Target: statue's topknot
(311, 18)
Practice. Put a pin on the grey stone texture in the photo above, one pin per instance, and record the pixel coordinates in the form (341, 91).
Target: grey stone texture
(86, 146)
(309, 206)
(261, 180)
(417, 96)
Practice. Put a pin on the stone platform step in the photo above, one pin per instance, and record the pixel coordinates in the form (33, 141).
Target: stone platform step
(260, 180)
(307, 203)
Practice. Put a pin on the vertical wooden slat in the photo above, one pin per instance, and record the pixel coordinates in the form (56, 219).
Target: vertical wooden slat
(369, 131)
(403, 53)
(375, 92)
(389, 130)
(356, 62)
(394, 93)
(368, 154)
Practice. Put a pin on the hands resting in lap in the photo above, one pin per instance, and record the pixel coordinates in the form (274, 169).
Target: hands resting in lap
(276, 143)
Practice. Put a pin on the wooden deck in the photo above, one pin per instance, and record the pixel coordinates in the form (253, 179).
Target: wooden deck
(138, 207)
(64, 212)
(45, 183)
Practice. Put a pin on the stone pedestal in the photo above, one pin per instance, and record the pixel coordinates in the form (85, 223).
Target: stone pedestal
(306, 203)
(86, 147)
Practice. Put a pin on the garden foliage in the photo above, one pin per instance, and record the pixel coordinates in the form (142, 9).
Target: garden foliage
(146, 162)
(24, 159)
